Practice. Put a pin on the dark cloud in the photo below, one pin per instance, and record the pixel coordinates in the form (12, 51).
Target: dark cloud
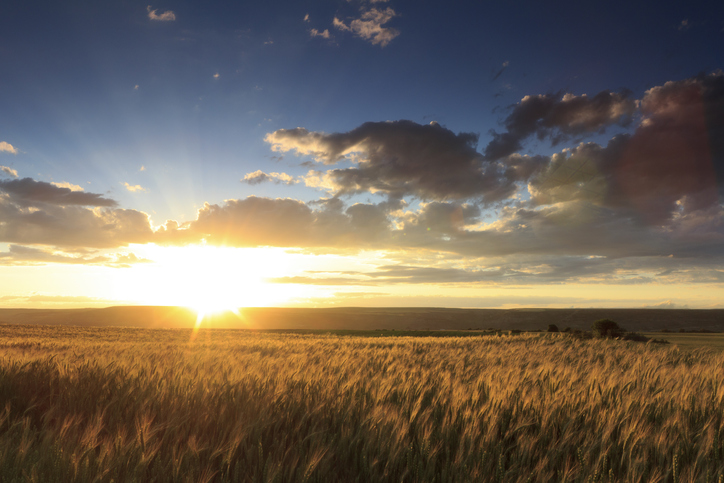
(558, 118)
(28, 192)
(38, 213)
(670, 171)
(257, 221)
(403, 158)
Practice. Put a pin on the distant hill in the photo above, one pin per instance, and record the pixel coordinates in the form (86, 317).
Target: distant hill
(372, 318)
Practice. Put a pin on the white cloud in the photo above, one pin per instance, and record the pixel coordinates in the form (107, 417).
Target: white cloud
(259, 176)
(8, 171)
(134, 188)
(316, 33)
(143, 168)
(370, 26)
(167, 16)
(7, 148)
(65, 184)
(306, 18)
(135, 88)
(216, 76)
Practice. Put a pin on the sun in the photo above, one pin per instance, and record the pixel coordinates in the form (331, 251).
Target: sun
(206, 279)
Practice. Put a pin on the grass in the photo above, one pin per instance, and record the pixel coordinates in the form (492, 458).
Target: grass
(103, 404)
(691, 341)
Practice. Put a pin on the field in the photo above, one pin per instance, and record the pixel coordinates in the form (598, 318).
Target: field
(119, 404)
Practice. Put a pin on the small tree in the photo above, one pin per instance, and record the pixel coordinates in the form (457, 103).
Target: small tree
(607, 328)
(552, 328)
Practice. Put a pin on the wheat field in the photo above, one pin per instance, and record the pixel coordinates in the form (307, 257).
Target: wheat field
(117, 405)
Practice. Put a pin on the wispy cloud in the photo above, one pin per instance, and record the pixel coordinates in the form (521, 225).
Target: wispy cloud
(370, 26)
(7, 148)
(23, 255)
(70, 186)
(259, 176)
(167, 16)
(8, 171)
(134, 188)
(502, 69)
(306, 18)
(316, 33)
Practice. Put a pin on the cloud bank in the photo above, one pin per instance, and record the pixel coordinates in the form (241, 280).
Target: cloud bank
(647, 206)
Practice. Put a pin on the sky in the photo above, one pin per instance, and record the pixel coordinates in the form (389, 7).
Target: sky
(362, 153)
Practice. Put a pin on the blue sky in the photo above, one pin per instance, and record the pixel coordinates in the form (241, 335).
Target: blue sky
(162, 108)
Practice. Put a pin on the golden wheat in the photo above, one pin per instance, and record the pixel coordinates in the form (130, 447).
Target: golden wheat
(84, 404)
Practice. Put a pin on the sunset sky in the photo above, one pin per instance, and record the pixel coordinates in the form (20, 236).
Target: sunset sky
(362, 153)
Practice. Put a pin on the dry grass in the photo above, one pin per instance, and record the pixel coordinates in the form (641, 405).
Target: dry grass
(149, 405)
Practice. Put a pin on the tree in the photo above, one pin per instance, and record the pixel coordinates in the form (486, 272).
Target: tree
(607, 328)
(552, 328)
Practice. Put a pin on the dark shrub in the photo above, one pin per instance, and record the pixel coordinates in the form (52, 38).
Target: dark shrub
(552, 328)
(636, 337)
(580, 334)
(607, 328)
(567, 329)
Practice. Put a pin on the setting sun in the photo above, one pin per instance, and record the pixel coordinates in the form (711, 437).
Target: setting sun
(205, 278)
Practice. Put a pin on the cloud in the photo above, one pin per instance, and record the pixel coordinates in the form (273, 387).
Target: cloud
(257, 221)
(134, 188)
(8, 171)
(669, 171)
(316, 33)
(558, 118)
(27, 192)
(216, 76)
(306, 18)
(81, 300)
(23, 255)
(167, 16)
(258, 177)
(70, 186)
(7, 148)
(666, 304)
(39, 213)
(370, 26)
(684, 25)
(402, 158)
(502, 69)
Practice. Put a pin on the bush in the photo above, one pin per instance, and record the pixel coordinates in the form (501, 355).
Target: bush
(552, 328)
(636, 337)
(607, 328)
